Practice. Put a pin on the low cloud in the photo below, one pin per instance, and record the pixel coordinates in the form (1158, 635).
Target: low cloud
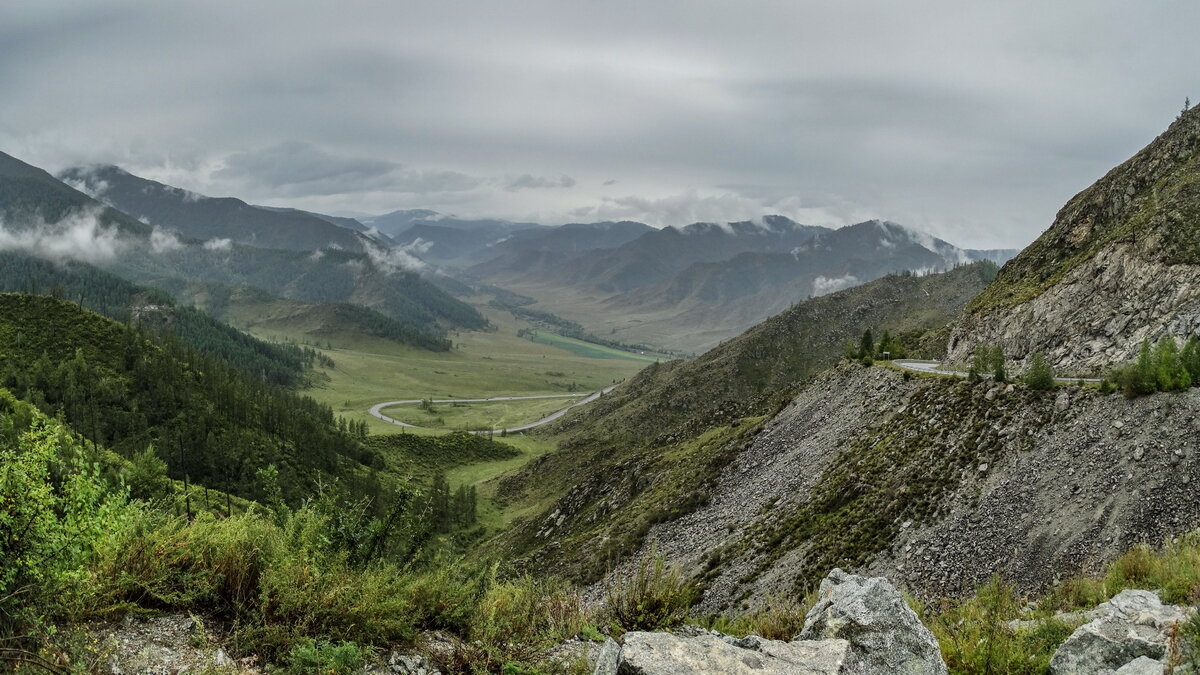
(78, 236)
(529, 181)
(219, 244)
(163, 241)
(395, 260)
(417, 247)
(827, 285)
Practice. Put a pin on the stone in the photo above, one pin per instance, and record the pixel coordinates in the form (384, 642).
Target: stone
(221, 659)
(885, 635)
(1127, 631)
(609, 660)
(1142, 665)
(671, 654)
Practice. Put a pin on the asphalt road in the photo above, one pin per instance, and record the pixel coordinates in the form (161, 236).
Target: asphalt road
(935, 368)
(377, 409)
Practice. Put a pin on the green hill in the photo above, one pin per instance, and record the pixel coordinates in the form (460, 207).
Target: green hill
(156, 312)
(121, 388)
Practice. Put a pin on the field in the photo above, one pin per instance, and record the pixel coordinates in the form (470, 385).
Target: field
(469, 416)
(494, 363)
(592, 350)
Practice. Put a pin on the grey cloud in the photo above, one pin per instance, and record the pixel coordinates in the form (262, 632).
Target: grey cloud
(296, 168)
(528, 181)
(971, 121)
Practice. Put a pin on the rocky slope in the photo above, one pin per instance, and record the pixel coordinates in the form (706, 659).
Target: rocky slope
(649, 450)
(1120, 263)
(939, 483)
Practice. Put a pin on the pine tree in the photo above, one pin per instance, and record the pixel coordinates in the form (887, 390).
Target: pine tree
(998, 372)
(866, 346)
(1039, 376)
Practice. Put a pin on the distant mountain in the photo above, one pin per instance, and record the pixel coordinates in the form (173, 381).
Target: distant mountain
(538, 249)
(204, 218)
(340, 221)
(1120, 263)
(29, 196)
(682, 289)
(397, 222)
(197, 271)
(656, 255)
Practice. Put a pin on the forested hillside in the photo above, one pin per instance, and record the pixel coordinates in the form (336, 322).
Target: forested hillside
(156, 312)
(121, 388)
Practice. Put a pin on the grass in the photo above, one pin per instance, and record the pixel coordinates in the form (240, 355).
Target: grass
(593, 351)
(483, 363)
(489, 415)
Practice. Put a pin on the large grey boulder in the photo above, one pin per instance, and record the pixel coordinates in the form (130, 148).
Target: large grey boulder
(885, 635)
(1126, 635)
(609, 659)
(681, 654)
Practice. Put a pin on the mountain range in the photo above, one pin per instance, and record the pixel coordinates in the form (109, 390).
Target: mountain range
(201, 250)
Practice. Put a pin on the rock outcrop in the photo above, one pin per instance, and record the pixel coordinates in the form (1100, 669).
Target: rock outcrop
(670, 654)
(1131, 633)
(884, 634)
(859, 626)
(1120, 263)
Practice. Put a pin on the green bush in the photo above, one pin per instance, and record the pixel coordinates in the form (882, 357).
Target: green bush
(655, 597)
(325, 657)
(54, 507)
(1039, 376)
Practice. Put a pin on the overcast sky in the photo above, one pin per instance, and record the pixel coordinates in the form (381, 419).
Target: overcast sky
(970, 120)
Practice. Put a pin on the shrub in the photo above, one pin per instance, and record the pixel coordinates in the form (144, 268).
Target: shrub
(975, 638)
(325, 657)
(54, 507)
(518, 620)
(654, 598)
(1039, 376)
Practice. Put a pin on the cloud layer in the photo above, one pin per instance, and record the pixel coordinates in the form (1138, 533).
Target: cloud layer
(973, 121)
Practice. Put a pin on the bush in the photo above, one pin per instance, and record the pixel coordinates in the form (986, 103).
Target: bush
(325, 657)
(1039, 376)
(54, 507)
(519, 620)
(654, 598)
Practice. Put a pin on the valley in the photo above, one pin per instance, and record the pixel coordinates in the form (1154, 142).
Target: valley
(465, 398)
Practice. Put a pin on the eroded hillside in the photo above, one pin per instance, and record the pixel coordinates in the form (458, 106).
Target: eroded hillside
(1120, 264)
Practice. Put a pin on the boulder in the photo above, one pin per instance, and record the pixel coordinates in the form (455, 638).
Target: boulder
(680, 654)
(884, 634)
(1127, 634)
(609, 660)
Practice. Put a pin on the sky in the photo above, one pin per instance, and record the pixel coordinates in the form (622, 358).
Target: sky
(971, 121)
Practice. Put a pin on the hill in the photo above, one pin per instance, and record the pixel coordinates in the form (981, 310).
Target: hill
(123, 389)
(30, 197)
(1120, 263)
(155, 311)
(196, 216)
(646, 452)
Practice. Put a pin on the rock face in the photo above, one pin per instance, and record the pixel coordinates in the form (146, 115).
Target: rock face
(1120, 263)
(670, 654)
(885, 635)
(1096, 317)
(1132, 633)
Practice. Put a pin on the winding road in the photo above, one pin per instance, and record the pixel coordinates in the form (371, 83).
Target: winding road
(935, 368)
(377, 409)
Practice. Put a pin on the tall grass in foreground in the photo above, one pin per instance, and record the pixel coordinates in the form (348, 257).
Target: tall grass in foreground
(975, 636)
